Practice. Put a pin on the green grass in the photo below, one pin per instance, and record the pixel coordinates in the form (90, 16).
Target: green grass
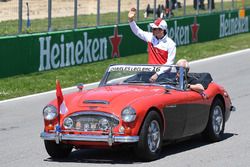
(63, 23)
(87, 73)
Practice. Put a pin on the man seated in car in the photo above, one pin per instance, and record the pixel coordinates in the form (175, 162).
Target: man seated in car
(195, 81)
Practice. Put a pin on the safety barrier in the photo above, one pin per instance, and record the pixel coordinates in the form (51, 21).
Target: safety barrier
(24, 54)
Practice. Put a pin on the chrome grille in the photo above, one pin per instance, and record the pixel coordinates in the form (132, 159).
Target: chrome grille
(93, 121)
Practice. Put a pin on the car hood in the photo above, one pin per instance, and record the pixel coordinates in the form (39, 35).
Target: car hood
(113, 94)
(111, 97)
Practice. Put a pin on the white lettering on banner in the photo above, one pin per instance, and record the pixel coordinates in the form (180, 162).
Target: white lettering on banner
(95, 47)
(87, 43)
(62, 51)
(70, 54)
(78, 52)
(44, 53)
(180, 34)
(231, 26)
(55, 51)
(54, 55)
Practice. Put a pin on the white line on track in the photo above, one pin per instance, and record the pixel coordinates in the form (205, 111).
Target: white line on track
(44, 93)
(220, 56)
(96, 83)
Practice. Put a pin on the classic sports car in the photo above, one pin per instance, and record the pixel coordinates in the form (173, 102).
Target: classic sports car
(127, 109)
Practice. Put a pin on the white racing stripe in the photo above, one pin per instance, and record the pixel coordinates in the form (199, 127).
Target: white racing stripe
(96, 83)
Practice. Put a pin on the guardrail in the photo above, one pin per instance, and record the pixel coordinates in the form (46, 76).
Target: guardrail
(29, 16)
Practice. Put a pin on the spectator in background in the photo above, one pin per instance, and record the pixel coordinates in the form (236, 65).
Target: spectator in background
(212, 4)
(161, 49)
(200, 4)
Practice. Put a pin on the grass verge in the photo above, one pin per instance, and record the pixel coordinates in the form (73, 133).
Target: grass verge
(44, 81)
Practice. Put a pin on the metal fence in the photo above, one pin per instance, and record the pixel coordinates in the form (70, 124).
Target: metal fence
(29, 16)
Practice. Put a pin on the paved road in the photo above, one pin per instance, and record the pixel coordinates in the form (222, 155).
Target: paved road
(21, 123)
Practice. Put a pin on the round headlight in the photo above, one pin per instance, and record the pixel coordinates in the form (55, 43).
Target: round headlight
(103, 124)
(128, 114)
(68, 123)
(49, 112)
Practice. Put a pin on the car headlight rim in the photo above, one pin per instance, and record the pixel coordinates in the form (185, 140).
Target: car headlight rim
(104, 124)
(68, 123)
(50, 112)
(128, 114)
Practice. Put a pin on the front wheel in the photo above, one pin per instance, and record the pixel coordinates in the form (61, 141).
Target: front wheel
(216, 123)
(150, 139)
(57, 150)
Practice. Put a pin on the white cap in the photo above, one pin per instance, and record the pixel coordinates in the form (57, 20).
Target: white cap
(159, 23)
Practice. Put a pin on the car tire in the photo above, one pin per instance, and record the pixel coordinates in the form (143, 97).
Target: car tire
(149, 145)
(57, 150)
(216, 122)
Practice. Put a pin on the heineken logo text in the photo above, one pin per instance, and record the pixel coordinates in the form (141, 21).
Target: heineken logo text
(180, 34)
(231, 26)
(57, 55)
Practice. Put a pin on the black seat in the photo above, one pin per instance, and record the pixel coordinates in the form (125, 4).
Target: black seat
(204, 78)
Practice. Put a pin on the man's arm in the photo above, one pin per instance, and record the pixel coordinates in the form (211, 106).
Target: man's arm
(171, 52)
(145, 36)
(131, 14)
(196, 87)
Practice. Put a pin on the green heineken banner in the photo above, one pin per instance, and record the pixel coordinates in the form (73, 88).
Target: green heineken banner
(46, 51)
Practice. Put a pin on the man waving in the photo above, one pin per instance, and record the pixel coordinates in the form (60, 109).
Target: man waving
(161, 49)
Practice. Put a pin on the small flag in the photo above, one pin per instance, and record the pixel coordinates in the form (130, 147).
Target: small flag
(58, 129)
(60, 100)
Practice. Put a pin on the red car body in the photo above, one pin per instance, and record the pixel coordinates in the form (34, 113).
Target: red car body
(162, 114)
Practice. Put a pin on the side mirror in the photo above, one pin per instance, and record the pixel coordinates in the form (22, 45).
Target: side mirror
(80, 87)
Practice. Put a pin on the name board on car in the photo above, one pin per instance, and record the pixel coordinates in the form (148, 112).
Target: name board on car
(135, 68)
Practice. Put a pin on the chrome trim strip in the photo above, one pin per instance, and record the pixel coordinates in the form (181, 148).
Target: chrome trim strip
(92, 138)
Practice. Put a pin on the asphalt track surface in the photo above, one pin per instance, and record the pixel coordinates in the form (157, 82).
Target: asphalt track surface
(21, 123)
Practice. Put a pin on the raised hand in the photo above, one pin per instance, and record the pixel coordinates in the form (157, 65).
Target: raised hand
(131, 14)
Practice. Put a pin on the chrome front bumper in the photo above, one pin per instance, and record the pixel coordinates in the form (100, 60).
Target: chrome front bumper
(110, 139)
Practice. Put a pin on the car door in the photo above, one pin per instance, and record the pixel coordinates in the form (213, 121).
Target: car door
(197, 113)
(175, 113)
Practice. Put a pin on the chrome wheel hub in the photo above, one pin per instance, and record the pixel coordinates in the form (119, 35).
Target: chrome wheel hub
(154, 136)
(217, 120)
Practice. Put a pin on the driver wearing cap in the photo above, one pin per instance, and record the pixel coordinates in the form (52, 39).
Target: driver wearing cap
(161, 48)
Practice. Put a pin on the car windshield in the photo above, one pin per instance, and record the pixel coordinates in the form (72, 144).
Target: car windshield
(140, 75)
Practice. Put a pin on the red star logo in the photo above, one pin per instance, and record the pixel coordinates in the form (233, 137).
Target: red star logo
(195, 29)
(115, 42)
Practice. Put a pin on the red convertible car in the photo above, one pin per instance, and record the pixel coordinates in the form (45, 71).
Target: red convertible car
(127, 109)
